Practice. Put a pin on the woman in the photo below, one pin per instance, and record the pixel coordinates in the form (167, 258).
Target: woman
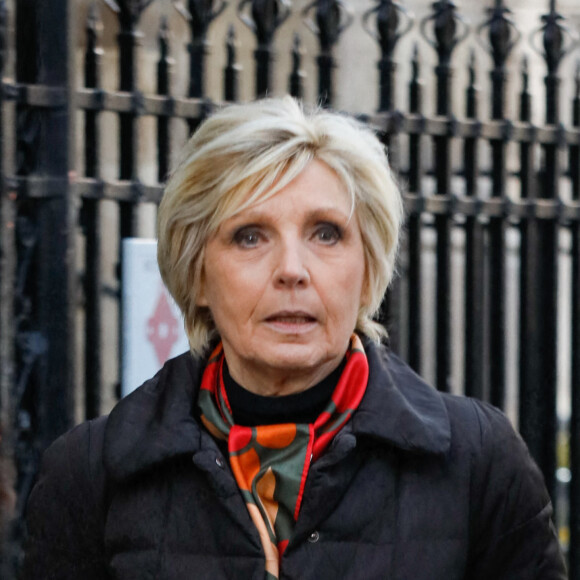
(289, 443)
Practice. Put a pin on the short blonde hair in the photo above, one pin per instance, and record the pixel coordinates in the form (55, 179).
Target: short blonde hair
(246, 153)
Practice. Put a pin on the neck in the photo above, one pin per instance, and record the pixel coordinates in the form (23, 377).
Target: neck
(279, 382)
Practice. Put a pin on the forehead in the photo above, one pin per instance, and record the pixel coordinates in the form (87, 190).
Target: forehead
(316, 187)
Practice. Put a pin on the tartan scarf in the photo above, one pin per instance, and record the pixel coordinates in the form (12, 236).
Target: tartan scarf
(270, 462)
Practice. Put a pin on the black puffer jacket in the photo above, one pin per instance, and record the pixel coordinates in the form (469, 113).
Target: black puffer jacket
(418, 486)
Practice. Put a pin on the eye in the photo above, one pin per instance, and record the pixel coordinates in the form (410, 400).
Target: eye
(247, 237)
(328, 233)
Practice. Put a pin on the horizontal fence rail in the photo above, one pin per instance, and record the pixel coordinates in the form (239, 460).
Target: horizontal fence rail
(487, 300)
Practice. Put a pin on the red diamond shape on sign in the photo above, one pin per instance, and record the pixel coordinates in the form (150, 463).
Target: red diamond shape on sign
(162, 328)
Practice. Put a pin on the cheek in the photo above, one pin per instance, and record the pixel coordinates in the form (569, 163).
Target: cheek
(347, 292)
(231, 295)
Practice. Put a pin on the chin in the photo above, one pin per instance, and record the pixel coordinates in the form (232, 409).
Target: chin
(294, 357)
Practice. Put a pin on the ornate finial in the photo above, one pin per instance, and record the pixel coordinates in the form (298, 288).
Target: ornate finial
(93, 17)
(231, 89)
(445, 19)
(200, 14)
(94, 27)
(266, 17)
(93, 52)
(296, 52)
(415, 63)
(297, 75)
(333, 17)
(389, 26)
(163, 37)
(558, 40)
(553, 38)
(128, 11)
(165, 63)
(164, 28)
(3, 32)
(503, 34)
(231, 45)
(471, 66)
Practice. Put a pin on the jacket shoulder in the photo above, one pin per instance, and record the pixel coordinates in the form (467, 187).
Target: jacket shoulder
(512, 534)
(67, 508)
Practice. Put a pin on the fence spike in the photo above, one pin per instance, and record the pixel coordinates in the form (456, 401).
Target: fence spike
(503, 34)
(445, 20)
(232, 69)
(471, 66)
(231, 45)
(165, 61)
(199, 14)
(553, 38)
(389, 32)
(266, 17)
(333, 17)
(415, 89)
(297, 76)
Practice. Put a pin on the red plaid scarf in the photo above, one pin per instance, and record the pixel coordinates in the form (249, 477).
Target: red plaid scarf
(271, 462)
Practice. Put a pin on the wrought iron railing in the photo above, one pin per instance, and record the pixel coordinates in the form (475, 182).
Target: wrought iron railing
(486, 178)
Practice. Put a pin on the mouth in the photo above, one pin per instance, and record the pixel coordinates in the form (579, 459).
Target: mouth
(291, 321)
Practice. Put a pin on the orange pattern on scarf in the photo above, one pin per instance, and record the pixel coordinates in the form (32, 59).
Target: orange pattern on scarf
(270, 463)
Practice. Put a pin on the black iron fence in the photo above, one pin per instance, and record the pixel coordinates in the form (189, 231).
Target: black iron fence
(504, 185)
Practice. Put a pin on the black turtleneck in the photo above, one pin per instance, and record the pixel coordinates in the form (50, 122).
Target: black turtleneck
(251, 410)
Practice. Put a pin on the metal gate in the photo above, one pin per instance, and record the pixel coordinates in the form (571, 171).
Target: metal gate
(497, 193)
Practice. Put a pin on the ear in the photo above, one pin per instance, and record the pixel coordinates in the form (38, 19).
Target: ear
(201, 299)
(365, 293)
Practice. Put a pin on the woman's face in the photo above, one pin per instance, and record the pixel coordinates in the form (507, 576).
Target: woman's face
(284, 280)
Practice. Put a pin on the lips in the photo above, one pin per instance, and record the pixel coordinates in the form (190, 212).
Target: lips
(291, 322)
(291, 317)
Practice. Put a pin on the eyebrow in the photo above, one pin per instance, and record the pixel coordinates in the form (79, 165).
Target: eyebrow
(251, 214)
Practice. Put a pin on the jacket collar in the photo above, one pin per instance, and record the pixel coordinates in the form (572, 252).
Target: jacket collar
(156, 422)
(400, 408)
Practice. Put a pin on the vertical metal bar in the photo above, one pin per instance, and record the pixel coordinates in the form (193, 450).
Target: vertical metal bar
(267, 16)
(91, 221)
(129, 40)
(232, 70)
(446, 39)
(388, 16)
(392, 307)
(543, 445)
(28, 344)
(48, 338)
(45, 277)
(296, 82)
(414, 228)
(387, 35)
(7, 259)
(500, 39)
(199, 14)
(474, 259)
(164, 70)
(387, 25)
(574, 510)
(529, 338)
(7, 270)
(328, 27)
(57, 221)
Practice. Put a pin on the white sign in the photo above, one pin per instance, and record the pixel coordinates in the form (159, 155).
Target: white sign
(152, 325)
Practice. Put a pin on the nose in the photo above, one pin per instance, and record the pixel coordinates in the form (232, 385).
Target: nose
(291, 268)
